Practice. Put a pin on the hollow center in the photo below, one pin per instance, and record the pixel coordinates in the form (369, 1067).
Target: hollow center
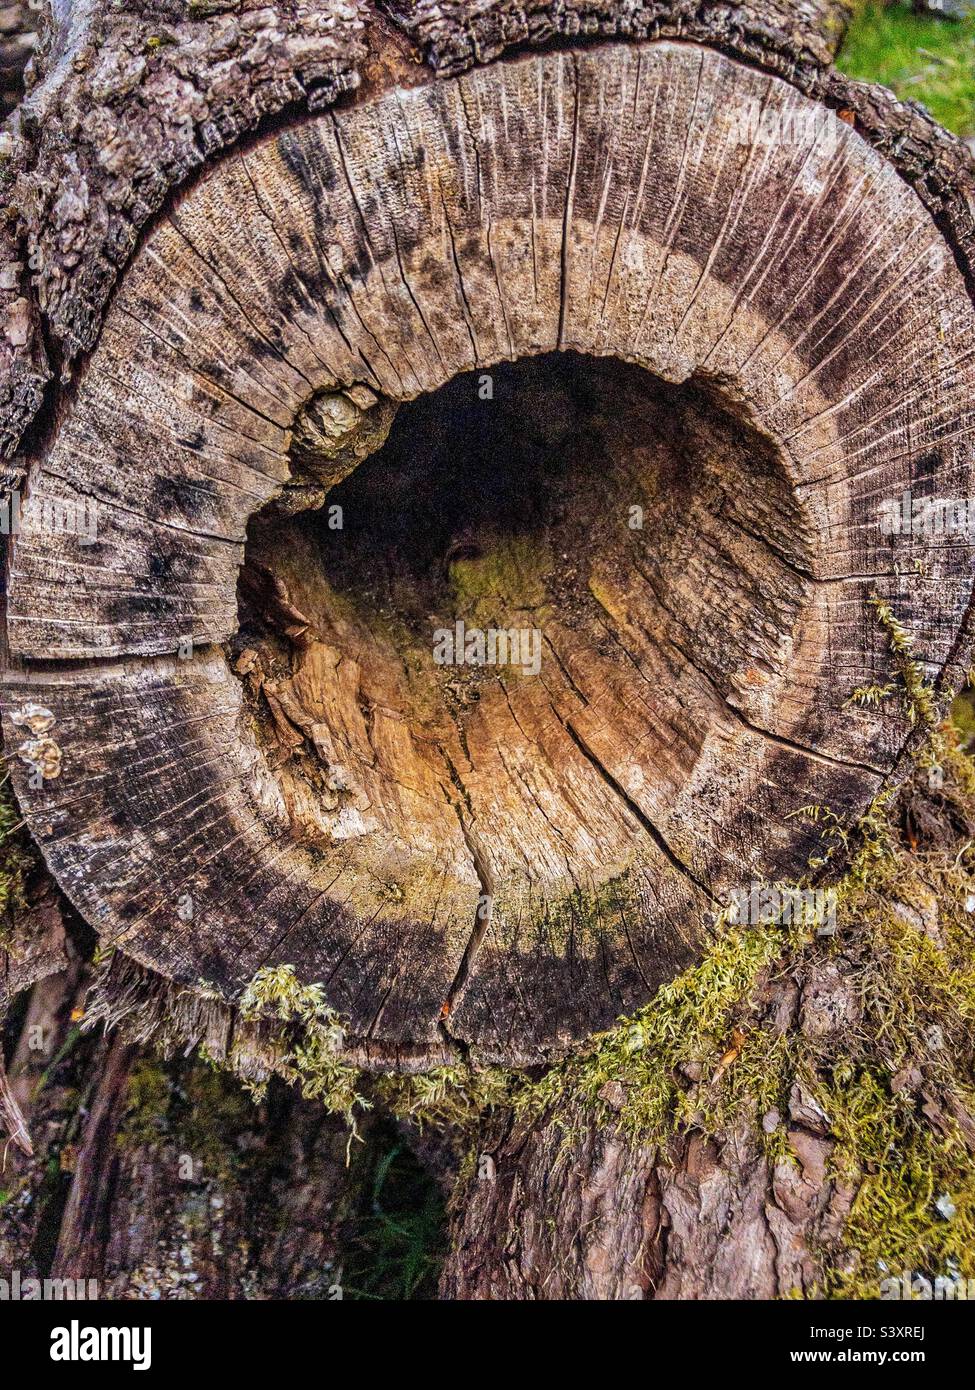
(500, 642)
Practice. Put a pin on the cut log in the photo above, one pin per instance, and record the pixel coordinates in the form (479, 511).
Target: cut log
(732, 331)
(152, 92)
(383, 330)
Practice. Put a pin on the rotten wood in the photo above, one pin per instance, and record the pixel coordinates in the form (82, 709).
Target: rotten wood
(395, 246)
(228, 732)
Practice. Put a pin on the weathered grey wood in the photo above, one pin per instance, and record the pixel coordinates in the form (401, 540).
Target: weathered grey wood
(183, 83)
(614, 202)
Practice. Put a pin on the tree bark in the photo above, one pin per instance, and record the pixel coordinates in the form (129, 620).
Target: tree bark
(18, 36)
(333, 334)
(156, 1179)
(609, 1218)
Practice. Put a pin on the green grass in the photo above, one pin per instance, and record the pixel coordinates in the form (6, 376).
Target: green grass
(919, 57)
(397, 1244)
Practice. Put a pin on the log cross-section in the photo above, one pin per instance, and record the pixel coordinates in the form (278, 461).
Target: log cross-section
(736, 346)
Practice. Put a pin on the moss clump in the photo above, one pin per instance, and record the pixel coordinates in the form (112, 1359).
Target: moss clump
(450, 1098)
(900, 1090)
(914, 691)
(148, 1097)
(696, 1026)
(311, 1040)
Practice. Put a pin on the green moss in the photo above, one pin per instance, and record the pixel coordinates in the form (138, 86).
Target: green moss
(704, 1055)
(894, 1091)
(963, 718)
(311, 1039)
(213, 1110)
(148, 1097)
(16, 861)
(918, 57)
(192, 1107)
(449, 1098)
(696, 1026)
(912, 689)
(905, 1173)
(507, 577)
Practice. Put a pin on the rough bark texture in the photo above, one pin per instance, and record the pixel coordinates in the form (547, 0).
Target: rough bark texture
(163, 1179)
(604, 1217)
(456, 34)
(18, 36)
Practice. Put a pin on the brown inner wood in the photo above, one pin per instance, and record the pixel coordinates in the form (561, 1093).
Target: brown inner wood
(516, 511)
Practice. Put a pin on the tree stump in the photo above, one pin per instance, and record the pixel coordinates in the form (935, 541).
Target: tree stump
(607, 356)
